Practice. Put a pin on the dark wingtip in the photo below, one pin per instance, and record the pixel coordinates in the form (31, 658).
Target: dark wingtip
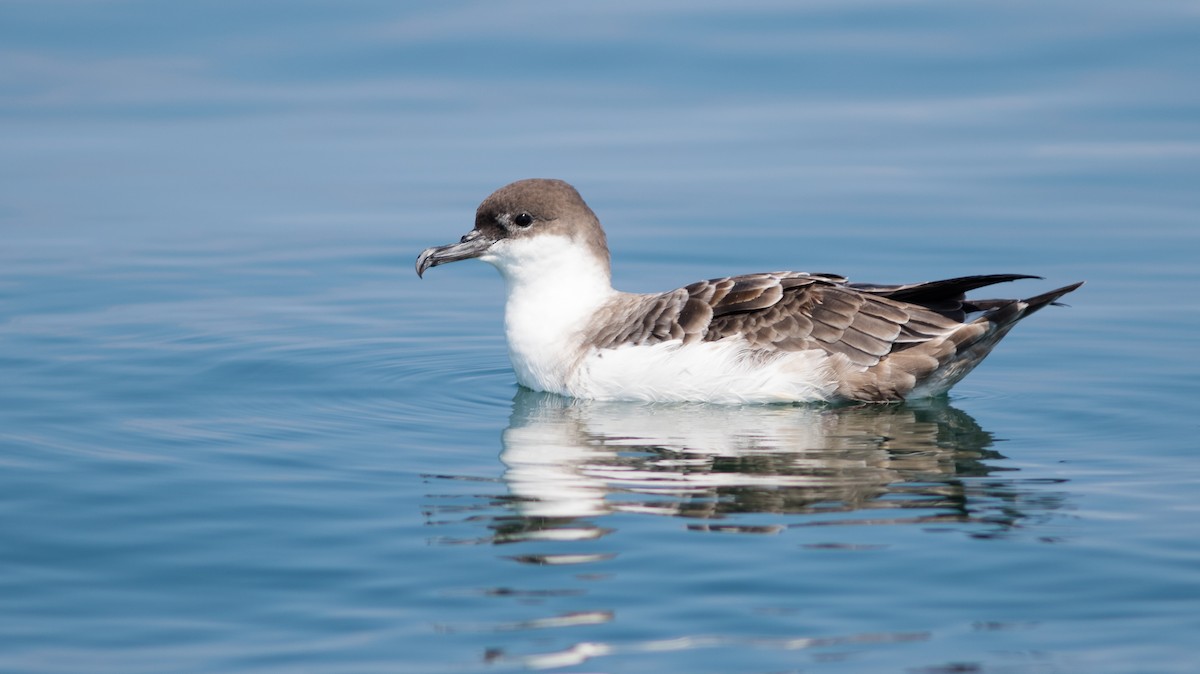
(953, 289)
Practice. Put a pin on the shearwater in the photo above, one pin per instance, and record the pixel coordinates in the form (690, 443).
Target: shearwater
(769, 337)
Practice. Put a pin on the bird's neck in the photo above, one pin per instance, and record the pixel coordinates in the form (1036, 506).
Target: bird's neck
(554, 290)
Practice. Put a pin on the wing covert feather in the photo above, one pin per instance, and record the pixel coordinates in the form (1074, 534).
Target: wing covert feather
(776, 312)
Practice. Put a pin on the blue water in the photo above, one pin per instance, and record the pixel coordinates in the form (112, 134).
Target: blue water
(237, 433)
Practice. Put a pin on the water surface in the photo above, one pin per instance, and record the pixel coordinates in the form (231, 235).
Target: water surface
(237, 434)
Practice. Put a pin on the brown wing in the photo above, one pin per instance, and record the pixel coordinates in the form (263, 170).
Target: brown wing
(798, 312)
(781, 311)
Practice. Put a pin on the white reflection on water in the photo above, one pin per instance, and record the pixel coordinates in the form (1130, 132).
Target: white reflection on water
(567, 459)
(584, 651)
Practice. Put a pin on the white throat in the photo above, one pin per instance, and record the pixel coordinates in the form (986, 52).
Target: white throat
(555, 286)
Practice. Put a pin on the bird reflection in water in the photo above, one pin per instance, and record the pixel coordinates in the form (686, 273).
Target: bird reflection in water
(570, 462)
(574, 470)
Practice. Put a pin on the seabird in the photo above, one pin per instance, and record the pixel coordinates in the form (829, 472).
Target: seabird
(769, 337)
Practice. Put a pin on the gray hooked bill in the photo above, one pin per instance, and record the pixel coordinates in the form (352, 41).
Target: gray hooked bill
(473, 244)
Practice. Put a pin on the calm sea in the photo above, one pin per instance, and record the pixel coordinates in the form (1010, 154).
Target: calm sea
(237, 433)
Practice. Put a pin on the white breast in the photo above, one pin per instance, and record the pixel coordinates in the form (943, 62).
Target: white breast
(554, 288)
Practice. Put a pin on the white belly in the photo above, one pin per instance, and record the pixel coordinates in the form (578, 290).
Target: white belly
(718, 372)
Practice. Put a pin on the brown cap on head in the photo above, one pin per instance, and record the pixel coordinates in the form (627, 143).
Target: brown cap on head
(525, 208)
(552, 206)
(544, 197)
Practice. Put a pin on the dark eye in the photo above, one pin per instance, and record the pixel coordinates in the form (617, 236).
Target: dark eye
(523, 220)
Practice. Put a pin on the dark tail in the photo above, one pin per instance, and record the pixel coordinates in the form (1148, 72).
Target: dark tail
(1006, 312)
(1049, 299)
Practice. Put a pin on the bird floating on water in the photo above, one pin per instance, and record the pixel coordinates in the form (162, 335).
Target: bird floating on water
(769, 337)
